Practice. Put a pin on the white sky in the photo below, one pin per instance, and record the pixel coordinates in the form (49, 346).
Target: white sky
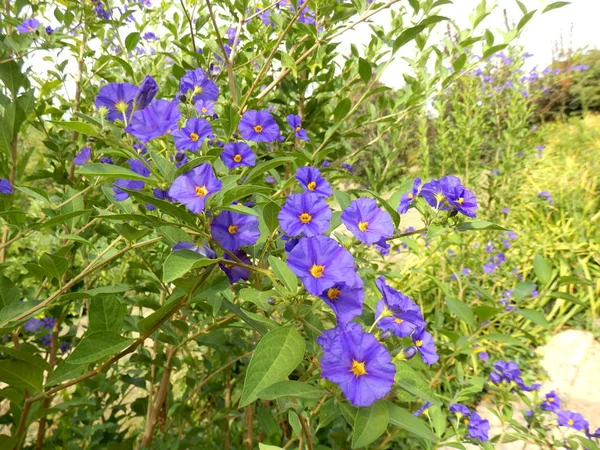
(575, 25)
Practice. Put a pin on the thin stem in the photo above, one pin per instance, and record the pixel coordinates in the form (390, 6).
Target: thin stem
(189, 19)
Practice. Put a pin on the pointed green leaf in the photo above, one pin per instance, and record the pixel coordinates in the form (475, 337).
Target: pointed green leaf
(370, 423)
(284, 273)
(106, 314)
(294, 389)
(402, 418)
(542, 269)
(277, 354)
(180, 262)
(98, 345)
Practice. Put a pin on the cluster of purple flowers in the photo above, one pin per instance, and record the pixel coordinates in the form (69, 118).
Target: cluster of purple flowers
(34, 325)
(566, 418)
(509, 372)
(446, 194)
(477, 427)
(545, 195)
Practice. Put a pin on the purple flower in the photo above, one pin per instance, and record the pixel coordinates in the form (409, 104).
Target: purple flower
(425, 346)
(194, 186)
(358, 364)
(233, 230)
(191, 137)
(106, 160)
(397, 312)
(157, 119)
(258, 126)
(506, 210)
(466, 271)
(118, 99)
(345, 299)
(348, 167)
(367, 222)
(180, 158)
(595, 434)
(5, 186)
(408, 198)
(236, 154)
(265, 17)
(150, 36)
(321, 263)
(506, 371)
(28, 26)
(236, 273)
(48, 322)
(83, 157)
(489, 268)
(512, 235)
(422, 409)
(32, 325)
(572, 420)
(269, 179)
(552, 402)
(202, 248)
(478, 428)
(146, 93)
(296, 123)
(50, 30)
(481, 353)
(196, 84)
(311, 181)
(46, 340)
(65, 346)
(460, 410)
(546, 196)
(205, 107)
(448, 193)
(306, 214)
(140, 148)
(135, 185)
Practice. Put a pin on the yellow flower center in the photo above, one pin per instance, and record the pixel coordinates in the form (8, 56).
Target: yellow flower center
(466, 421)
(362, 226)
(439, 197)
(460, 200)
(570, 422)
(232, 229)
(419, 343)
(551, 399)
(398, 321)
(298, 129)
(204, 109)
(228, 266)
(197, 90)
(410, 195)
(258, 128)
(121, 106)
(201, 191)
(358, 368)
(333, 293)
(305, 218)
(478, 350)
(317, 270)
(237, 158)
(194, 137)
(386, 312)
(311, 186)
(29, 28)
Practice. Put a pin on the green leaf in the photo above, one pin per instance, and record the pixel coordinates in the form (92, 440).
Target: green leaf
(62, 218)
(461, 310)
(369, 424)
(263, 167)
(277, 354)
(102, 290)
(259, 298)
(131, 40)
(30, 358)
(486, 312)
(535, 316)
(83, 128)
(342, 109)
(106, 314)
(478, 225)
(54, 266)
(270, 213)
(459, 62)
(210, 288)
(343, 199)
(503, 338)
(65, 371)
(526, 18)
(555, 5)
(295, 389)
(364, 70)
(11, 76)
(239, 192)
(147, 323)
(410, 380)
(494, 49)
(109, 171)
(241, 209)
(9, 293)
(21, 374)
(180, 262)
(391, 211)
(402, 418)
(98, 345)
(575, 280)
(262, 446)
(284, 273)
(566, 296)
(542, 269)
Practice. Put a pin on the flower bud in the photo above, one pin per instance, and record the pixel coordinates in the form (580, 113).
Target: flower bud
(385, 335)
(409, 352)
(271, 301)
(146, 93)
(182, 98)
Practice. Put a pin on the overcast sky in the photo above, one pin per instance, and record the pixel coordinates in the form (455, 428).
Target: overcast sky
(575, 25)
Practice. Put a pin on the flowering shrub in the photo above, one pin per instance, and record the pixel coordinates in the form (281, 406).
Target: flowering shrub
(185, 263)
